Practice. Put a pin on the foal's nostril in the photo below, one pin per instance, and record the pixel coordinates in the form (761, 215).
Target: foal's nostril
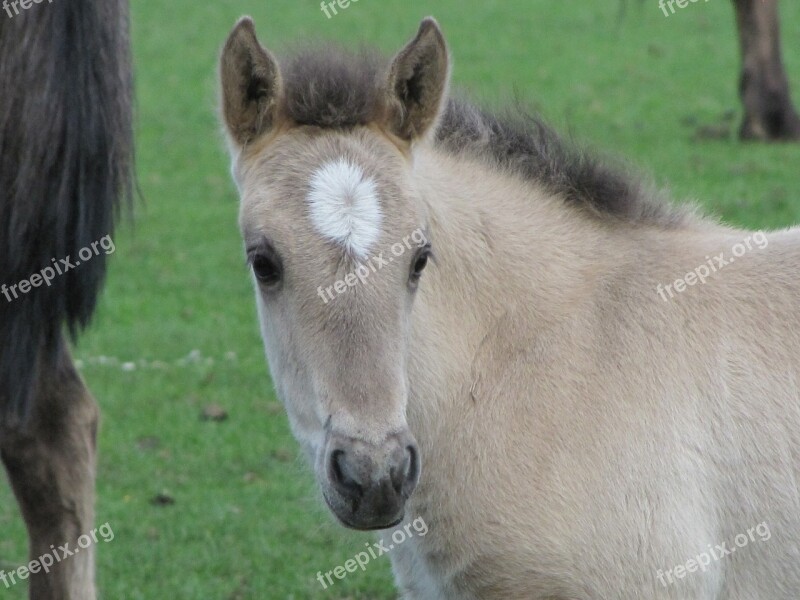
(413, 466)
(345, 484)
(398, 475)
(404, 476)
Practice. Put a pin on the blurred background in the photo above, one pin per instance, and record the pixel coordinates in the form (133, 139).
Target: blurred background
(199, 478)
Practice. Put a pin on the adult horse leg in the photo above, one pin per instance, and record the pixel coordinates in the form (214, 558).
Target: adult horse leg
(51, 465)
(764, 88)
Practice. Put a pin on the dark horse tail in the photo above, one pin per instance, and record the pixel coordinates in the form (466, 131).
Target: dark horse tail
(66, 158)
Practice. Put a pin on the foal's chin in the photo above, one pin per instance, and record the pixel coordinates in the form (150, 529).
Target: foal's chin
(355, 515)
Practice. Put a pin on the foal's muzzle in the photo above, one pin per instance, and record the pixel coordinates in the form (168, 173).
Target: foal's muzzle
(366, 486)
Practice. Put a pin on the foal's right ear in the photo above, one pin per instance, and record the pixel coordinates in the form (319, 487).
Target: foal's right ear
(418, 79)
(251, 84)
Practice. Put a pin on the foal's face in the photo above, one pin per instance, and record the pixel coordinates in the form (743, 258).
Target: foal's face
(337, 250)
(337, 241)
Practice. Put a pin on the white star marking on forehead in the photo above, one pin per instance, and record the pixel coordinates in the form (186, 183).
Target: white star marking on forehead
(344, 206)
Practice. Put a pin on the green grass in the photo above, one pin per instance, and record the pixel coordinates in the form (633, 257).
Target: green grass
(246, 522)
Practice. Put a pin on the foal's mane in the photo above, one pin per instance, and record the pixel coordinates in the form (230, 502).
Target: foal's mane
(332, 88)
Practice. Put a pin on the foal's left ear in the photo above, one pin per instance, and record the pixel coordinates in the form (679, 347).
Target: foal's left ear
(418, 81)
(251, 84)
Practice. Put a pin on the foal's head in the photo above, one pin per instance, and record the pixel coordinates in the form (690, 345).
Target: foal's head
(337, 241)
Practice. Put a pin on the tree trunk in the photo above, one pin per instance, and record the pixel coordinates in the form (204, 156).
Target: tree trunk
(764, 87)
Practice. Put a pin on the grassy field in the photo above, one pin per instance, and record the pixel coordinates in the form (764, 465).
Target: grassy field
(176, 330)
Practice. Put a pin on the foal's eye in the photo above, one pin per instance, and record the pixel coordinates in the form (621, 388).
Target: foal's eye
(267, 269)
(420, 262)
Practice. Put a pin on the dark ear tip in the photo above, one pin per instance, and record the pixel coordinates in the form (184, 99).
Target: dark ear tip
(245, 27)
(245, 22)
(429, 26)
(242, 36)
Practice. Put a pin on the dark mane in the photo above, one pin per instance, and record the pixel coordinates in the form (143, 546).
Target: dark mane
(332, 88)
(524, 145)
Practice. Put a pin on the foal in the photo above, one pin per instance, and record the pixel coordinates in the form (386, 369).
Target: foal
(497, 358)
